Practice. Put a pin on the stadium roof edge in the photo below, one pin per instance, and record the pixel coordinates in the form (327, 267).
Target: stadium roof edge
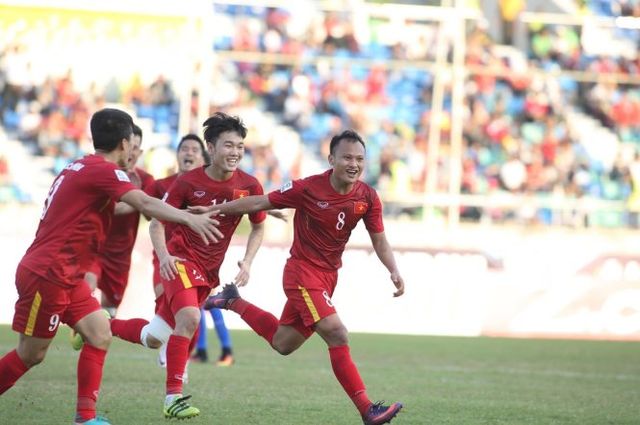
(187, 8)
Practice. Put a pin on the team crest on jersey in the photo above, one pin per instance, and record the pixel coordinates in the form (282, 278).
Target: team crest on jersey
(122, 176)
(360, 207)
(199, 193)
(240, 193)
(322, 204)
(288, 185)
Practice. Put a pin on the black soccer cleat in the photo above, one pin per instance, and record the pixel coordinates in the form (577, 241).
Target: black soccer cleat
(222, 299)
(200, 355)
(379, 414)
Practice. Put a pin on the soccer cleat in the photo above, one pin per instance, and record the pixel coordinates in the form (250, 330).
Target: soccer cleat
(75, 339)
(200, 356)
(222, 299)
(180, 409)
(98, 420)
(225, 360)
(379, 414)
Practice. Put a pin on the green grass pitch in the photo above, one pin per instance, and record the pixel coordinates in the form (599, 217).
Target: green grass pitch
(441, 380)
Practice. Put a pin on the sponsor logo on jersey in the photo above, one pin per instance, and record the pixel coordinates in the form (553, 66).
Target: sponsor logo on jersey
(199, 193)
(122, 176)
(360, 207)
(74, 166)
(240, 193)
(288, 185)
(322, 204)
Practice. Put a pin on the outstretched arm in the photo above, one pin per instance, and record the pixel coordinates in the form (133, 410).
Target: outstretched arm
(123, 208)
(204, 225)
(385, 254)
(253, 243)
(247, 205)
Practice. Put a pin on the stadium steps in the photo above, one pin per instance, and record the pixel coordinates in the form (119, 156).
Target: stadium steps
(599, 142)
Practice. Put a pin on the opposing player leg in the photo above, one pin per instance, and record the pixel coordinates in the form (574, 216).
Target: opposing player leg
(224, 337)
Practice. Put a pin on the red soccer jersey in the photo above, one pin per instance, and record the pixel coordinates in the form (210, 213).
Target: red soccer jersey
(77, 214)
(324, 218)
(197, 188)
(116, 251)
(157, 190)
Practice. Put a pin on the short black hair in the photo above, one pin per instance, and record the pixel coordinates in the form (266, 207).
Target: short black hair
(137, 131)
(108, 127)
(192, 136)
(219, 123)
(345, 135)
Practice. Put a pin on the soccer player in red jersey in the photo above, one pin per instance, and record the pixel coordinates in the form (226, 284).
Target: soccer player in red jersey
(328, 206)
(191, 154)
(110, 271)
(50, 277)
(188, 268)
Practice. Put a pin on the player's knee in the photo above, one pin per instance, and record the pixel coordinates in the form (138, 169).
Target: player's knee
(32, 358)
(153, 342)
(336, 336)
(187, 325)
(99, 339)
(282, 349)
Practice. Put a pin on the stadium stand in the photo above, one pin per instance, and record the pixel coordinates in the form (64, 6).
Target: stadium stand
(529, 131)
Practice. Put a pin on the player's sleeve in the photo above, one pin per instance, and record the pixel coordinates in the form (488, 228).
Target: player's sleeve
(153, 189)
(112, 180)
(258, 216)
(373, 217)
(288, 196)
(147, 180)
(175, 194)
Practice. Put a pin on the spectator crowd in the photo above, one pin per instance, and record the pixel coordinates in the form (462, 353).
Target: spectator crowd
(523, 129)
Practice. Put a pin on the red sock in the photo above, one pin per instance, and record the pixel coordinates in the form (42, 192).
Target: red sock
(129, 330)
(90, 366)
(11, 369)
(347, 374)
(177, 356)
(262, 322)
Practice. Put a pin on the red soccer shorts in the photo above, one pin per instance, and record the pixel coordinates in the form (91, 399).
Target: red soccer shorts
(308, 290)
(41, 305)
(113, 281)
(178, 294)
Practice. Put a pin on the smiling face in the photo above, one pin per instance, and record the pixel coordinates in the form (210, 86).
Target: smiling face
(226, 153)
(347, 161)
(190, 156)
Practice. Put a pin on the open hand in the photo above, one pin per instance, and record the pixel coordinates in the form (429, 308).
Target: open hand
(242, 278)
(205, 226)
(168, 269)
